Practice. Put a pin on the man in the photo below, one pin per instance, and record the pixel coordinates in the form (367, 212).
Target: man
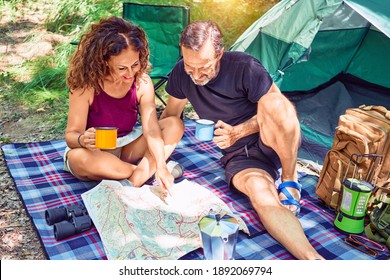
(256, 127)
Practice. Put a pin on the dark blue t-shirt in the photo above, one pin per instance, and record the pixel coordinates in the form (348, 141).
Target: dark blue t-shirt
(231, 97)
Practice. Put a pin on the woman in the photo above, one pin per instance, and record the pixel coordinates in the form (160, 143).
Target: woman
(108, 86)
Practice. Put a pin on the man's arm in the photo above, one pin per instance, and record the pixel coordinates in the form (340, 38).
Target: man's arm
(226, 135)
(175, 107)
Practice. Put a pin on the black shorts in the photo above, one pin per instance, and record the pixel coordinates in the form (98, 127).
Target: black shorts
(255, 155)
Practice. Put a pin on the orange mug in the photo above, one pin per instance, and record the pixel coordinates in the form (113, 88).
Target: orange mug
(106, 137)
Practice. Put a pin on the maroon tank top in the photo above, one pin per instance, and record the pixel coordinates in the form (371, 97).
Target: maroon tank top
(117, 112)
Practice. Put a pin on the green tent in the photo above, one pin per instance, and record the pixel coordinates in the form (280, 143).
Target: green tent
(326, 56)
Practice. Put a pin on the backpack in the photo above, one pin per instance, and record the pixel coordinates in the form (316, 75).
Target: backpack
(378, 228)
(360, 150)
(377, 117)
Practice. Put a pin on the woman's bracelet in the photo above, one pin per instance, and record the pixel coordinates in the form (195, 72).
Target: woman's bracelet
(78, 140)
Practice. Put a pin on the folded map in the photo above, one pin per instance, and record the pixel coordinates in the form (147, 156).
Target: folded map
(146, 223)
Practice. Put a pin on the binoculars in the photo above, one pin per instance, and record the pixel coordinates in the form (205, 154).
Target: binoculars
(68, 220)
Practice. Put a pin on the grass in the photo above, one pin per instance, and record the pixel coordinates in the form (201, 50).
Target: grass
(40, 82)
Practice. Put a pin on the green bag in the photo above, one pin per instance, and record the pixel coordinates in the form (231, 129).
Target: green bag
(379, 227)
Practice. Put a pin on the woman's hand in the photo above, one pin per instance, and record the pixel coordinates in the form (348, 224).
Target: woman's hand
(164, 178)
(88, 139)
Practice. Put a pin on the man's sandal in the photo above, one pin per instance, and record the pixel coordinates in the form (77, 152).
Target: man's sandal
(290, 199)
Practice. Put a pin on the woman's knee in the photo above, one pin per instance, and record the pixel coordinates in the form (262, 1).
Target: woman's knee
(98, 164)
(172, 125)
(78, 162)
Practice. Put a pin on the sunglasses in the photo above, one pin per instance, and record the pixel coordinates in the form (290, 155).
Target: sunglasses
(364, 245)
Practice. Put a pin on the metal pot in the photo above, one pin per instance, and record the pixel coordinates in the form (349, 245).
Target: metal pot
(219, 236)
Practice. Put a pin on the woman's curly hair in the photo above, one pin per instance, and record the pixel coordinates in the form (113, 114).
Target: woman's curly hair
(87, 67)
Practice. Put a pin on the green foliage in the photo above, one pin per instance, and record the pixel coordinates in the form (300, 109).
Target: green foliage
(232, 16)
(76, 16)
(12, 3)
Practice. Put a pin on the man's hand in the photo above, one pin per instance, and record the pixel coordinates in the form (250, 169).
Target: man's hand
(225, 135)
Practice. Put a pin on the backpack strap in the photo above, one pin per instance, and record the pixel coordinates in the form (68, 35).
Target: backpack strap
(380, 109)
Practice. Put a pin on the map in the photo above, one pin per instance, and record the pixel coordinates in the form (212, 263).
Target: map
(146, 223)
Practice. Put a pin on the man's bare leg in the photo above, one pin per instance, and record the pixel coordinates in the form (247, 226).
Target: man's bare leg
(280, 130)
(279, 221)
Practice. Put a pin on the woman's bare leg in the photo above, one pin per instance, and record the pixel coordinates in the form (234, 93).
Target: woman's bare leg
(172, 129)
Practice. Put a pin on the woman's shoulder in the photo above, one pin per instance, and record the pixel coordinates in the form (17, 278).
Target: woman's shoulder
(144, 76)
(82, 90)
(144, 82)
(83, 93)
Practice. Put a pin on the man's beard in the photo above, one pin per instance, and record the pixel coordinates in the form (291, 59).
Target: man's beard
(203, 83)
(208, 77)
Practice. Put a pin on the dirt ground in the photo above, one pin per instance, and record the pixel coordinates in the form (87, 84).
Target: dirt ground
(18, 239)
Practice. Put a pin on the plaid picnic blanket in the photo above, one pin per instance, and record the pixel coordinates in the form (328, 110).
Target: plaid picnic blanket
(37, 170)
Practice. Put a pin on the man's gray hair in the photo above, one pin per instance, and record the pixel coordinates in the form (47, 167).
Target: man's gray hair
(197, 33)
